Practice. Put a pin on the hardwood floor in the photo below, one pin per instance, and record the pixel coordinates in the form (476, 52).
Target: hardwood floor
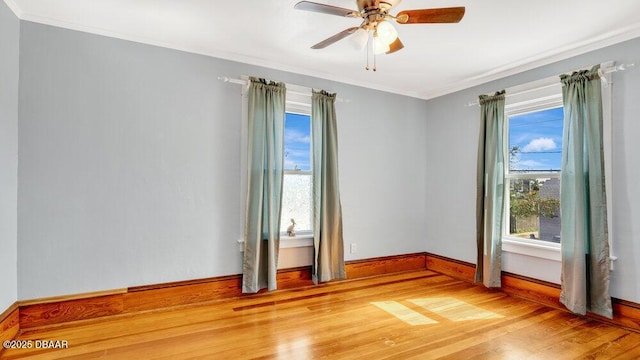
(413, 315)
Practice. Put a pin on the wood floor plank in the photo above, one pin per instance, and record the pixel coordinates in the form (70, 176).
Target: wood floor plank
(341, 321)
(403, 313)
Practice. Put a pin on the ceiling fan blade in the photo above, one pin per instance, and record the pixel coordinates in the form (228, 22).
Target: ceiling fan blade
(339, 36)
(395, 46)
(325, 9)
(424, 16)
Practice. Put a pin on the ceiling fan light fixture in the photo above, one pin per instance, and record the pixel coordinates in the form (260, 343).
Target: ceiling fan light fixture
(359, 39)
(386, 32)
(379, 45)
(395, 46)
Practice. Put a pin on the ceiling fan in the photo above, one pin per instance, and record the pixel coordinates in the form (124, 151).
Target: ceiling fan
(375, 25)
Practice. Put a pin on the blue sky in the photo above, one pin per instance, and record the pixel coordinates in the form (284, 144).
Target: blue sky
(297, 142)
(539, 137)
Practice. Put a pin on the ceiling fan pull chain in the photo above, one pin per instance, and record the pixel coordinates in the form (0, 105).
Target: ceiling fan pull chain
(368, 42)
(374, 62)
(373, 50)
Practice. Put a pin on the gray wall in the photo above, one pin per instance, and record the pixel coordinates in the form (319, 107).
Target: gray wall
(9, 65)
(130, 164)
(452, 138)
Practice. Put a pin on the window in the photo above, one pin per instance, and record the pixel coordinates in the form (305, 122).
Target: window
(297, 183)
(533, 174)
(533, 145)
(297, 188)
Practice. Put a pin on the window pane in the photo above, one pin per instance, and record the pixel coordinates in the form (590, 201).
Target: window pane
(297, 182)
(535, 141)
(534, 206)
(296, 202)
(297, 142)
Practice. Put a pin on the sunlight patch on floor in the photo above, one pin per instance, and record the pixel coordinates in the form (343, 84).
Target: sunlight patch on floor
(403, 313)
(454, 309)
(446, 307)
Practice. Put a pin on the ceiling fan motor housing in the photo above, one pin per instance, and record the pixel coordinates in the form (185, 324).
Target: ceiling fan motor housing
(381, 5)
(374, 11)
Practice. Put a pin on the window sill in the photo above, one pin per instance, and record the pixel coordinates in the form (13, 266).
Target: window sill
(302, 240)
(540, 250)
(286, 242)
(530, 248)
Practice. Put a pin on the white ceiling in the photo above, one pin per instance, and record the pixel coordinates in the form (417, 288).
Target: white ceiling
(494, 39)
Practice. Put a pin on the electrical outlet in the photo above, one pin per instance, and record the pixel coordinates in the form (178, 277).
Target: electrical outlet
(354, 248)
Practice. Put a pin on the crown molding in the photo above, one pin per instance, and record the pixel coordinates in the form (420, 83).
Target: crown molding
(250, 60)
(14, 7)
(546, 58)
(525, 64)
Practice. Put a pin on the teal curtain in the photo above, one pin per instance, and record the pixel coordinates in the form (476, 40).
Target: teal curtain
(328, 262)
(583, 204)
(265, 161)
(490, 190)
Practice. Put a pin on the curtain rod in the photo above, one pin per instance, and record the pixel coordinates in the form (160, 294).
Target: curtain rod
(245, 82)
(612, 69)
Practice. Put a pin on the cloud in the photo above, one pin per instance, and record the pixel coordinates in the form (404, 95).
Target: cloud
(289, 164)
(297, 153)
(539, 144)
(530, 164)
(296, 137)
(298, 157)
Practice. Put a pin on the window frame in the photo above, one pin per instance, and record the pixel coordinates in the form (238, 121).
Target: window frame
(536, 96)
(297, 102)
(547, 102)
(531, 97)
